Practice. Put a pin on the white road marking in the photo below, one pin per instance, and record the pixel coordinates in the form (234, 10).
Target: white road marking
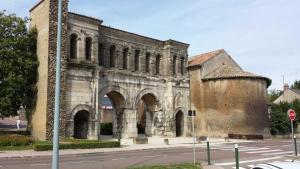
(264, 151)
(38, 164)
(239, 167)
(251, 166)
(253, 149)
(249, 161)
(152, 156)
(286, 152)
(115, 159)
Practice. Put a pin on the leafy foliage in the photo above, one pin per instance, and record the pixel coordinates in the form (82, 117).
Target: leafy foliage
(296, 85)
(280, 123)
(18, 65)
(273, 95)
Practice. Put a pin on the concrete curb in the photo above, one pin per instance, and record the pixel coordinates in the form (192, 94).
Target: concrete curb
(123, 148)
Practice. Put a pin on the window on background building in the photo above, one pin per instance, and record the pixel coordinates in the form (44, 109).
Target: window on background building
(88, 48)
(157, 64)
(100, 54)
(73, 46)
(112, 56)
(147, 66)
(125, 58)
(136, 60)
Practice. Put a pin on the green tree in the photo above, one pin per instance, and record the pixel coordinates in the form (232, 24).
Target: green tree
(296, 85)
(280, 123)
(273, 94)
(18, 65)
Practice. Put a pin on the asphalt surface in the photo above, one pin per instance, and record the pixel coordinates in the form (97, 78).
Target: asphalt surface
(221, 155)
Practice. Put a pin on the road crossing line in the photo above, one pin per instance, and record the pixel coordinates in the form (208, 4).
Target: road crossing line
(278, 153)
(264, 151)
(247, 161)
(253, 149)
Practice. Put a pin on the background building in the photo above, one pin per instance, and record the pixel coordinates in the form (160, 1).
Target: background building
(226, 98)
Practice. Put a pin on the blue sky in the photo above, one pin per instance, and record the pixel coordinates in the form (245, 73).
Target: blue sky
(263, 36)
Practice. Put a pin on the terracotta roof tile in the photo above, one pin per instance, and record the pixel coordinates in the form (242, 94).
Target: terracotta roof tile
(228, 72)
(200, 59)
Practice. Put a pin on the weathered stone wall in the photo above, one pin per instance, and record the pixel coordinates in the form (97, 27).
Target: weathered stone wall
(40, 20)
(53, 12)
(88, 81)
(229, 106)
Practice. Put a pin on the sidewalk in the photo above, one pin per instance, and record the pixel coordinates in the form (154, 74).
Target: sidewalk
(126, 145)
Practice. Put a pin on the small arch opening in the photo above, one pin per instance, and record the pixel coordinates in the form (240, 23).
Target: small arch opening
(179, 123)
(81, 121)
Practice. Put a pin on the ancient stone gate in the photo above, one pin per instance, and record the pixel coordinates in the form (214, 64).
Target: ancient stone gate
(145, 78)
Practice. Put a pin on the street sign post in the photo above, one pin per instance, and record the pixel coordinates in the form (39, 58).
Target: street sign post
(292, 116)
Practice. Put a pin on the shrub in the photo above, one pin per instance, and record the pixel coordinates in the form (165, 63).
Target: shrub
(43, 146)
(106, 128)
(16, 140)
(245, 136)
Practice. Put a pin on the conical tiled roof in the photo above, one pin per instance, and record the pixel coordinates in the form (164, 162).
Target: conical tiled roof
(228, 72)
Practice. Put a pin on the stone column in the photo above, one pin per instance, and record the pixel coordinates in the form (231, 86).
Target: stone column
(142, 61)
(94, 57)
(129, 125)
(92, 134)
(81, 47)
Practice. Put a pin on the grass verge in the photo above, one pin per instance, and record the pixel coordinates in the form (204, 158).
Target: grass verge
(76, 144)
(170, 166)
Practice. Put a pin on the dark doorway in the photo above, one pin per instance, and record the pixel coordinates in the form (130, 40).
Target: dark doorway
(81, 121)
(179, 123)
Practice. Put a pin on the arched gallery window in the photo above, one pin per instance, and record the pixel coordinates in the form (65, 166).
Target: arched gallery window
(88, 48)
(182, 65)
(147, 66)
(157, 64)
(112, 56)
(100, 54)
(73, 46)
(125, 58)
(174, 65)
(136, 60)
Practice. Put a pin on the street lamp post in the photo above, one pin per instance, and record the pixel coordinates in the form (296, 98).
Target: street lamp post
(55, 156)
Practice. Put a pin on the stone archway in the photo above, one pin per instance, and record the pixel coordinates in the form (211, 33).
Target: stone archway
(179, 123)
(146, 108)
(81, 124)
(117, 112)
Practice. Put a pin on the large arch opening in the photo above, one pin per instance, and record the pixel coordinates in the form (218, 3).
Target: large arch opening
(112, 112)
(179, 123)
(145, 115)
(81, 124)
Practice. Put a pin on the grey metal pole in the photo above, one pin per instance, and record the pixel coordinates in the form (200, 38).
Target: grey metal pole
(237, 163)
(193, 124)
(295, 146)
(208, 152)
(55, 155)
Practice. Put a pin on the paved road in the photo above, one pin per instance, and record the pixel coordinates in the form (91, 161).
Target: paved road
(222, 155)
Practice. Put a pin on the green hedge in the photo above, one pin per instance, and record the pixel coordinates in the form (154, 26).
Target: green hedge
(44, 146)
(16, 140)
(106, 128)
